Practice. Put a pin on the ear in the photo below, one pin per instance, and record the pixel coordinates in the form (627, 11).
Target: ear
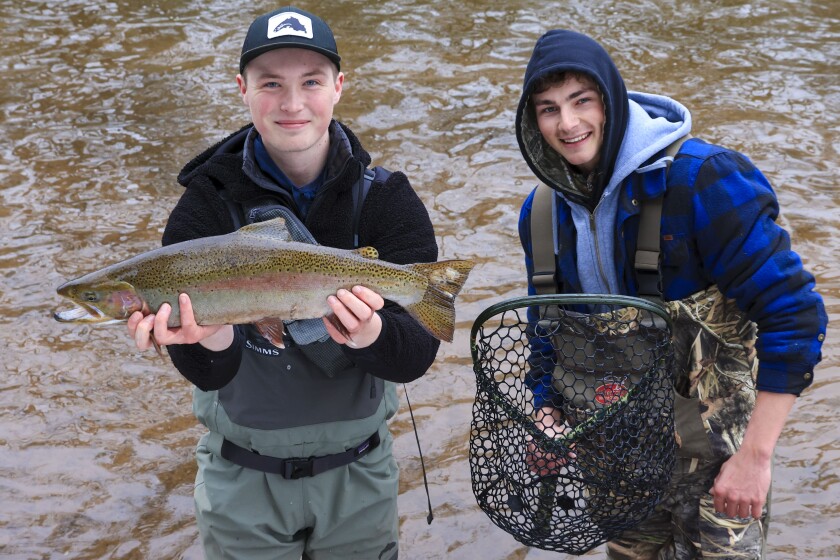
(243, 87)
(339, 87)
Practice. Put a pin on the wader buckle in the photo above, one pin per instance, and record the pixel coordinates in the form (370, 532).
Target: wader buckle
(297, 468)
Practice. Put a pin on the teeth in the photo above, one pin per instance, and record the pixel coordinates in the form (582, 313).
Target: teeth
(575, 139)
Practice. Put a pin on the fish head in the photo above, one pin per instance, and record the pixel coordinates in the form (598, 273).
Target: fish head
(99, 302)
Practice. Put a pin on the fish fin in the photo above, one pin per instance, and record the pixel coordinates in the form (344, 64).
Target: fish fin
(274, 228)
(367, 252)
(339, 326)
(272, 330)
(436, 311)
(158, 347)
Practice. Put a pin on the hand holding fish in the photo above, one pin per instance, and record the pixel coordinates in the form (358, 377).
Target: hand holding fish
(153, 329)
(355, 311)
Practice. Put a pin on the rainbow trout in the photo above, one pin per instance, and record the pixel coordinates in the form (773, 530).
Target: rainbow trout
(259, 275)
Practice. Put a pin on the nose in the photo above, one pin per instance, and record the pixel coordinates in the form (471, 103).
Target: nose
(292, 102)
(568, 120)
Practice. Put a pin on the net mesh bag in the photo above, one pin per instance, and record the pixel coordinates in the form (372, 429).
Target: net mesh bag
(572, 437)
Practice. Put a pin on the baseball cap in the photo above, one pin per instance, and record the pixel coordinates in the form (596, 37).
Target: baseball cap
(288, 27)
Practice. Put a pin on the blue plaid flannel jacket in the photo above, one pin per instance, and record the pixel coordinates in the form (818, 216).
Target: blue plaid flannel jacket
(718, 227)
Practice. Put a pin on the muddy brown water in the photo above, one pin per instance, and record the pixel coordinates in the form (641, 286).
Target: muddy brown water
(101, 104)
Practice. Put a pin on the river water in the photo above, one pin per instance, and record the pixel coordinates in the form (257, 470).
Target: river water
(102, 102)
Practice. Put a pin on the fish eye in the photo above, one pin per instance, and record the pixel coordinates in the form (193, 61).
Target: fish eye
(90, 296)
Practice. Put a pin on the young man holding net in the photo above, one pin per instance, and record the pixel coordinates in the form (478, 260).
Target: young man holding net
(725, 271)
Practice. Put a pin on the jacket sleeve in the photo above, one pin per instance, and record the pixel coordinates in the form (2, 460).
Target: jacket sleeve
(749, 256)
(395, 221)
(201, 213)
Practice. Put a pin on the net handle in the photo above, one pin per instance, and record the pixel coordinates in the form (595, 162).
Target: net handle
(563, 299)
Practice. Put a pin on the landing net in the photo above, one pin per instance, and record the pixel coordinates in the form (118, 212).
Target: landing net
(572, 438)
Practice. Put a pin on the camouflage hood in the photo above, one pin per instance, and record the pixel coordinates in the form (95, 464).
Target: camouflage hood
(560, 51)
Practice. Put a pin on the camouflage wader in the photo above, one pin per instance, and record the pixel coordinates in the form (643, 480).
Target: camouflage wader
(715, 361)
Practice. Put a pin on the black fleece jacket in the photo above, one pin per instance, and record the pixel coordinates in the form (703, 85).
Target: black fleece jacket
(393, 220)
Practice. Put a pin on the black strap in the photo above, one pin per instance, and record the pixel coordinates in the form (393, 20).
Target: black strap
(359, 193)
(295, 468)
(234, 208)
(647, 248)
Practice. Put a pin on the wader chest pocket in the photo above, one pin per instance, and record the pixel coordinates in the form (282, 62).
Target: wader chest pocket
(598, 361)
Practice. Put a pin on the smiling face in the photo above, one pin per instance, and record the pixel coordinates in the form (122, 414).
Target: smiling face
(570, 116)
(291, 94)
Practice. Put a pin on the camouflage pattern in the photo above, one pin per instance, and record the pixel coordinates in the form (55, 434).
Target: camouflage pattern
(715, 362)
(685, 525)
(714, 346)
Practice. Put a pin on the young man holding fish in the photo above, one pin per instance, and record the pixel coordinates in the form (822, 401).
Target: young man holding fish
(725, 268)
(298, 457)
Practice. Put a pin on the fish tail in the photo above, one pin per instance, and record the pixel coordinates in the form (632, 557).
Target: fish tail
(436, 311)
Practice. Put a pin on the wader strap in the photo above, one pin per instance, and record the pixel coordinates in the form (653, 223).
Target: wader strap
(647, 248)
(296, 468)
(359, 193)
(542, 241)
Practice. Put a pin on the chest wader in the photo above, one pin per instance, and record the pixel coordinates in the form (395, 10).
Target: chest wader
(277, 394)
(350, 405)
(715, 369)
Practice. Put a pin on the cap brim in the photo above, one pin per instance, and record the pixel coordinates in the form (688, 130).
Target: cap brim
(250, 55)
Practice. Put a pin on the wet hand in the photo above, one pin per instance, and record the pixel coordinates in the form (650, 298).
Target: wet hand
(354, 320)
(544, 463)
(740, 488)
(150, 329)
(540, 461)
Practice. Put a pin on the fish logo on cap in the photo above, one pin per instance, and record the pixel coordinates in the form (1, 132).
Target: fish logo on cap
(290, 23)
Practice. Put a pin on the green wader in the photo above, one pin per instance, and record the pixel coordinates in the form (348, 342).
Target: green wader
(346, 512)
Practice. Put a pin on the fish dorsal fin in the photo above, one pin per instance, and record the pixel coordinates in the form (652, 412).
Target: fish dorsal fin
(274, 228)
(367, 252)
(272, 330)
